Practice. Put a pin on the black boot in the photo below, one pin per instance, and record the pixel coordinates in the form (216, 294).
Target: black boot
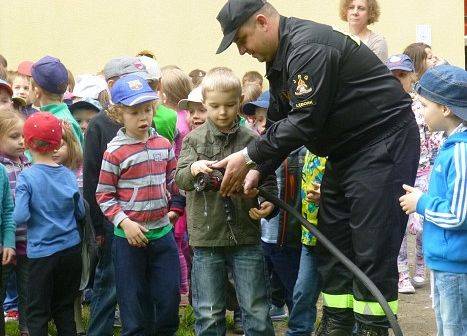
(336, 322)
(367, 330)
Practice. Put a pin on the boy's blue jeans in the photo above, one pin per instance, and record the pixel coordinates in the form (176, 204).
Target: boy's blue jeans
(284, 261)
(209, 292)
(148, 286)
(450, 303)
(306, 292)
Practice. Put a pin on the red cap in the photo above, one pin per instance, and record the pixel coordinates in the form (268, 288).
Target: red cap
(45, 127)
(24, 68)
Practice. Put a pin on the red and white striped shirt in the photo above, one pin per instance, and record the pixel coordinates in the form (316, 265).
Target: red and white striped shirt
(136, 180)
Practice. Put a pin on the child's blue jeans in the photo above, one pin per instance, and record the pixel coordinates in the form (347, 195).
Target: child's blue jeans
(148, 286)
(450, 303)
(209, 289)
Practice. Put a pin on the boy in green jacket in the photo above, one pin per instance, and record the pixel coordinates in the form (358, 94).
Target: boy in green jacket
(223, 231)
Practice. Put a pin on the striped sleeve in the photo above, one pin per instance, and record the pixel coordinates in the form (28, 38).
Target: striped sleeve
(170, 173)
(106, 192)
(450, 211)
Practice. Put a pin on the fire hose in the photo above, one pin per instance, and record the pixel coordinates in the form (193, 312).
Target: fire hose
(212, 182)
(342, 258)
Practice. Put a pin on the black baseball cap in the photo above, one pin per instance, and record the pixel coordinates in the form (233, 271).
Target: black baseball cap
(232, 16)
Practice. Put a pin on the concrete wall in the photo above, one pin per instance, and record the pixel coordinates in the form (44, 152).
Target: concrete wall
(84, 34)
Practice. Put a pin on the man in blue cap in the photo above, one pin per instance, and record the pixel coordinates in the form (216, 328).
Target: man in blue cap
(333, 95)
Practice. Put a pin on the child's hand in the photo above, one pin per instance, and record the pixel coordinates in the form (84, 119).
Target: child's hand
(409, 201)
(173, 216)
(8, 255)
(134, 233)
(313, 195)
(201, 166)
(264, 210)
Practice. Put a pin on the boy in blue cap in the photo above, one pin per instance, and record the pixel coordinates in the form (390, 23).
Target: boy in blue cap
(50, 80)
(443, 91)
(136, 183)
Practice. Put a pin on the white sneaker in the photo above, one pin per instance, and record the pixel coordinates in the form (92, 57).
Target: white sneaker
(418, 281)
(406, 287)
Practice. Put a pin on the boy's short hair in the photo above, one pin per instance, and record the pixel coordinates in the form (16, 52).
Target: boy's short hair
(221, 79)
(250, 92)
(176, 85)
(252, 76)
(50, 95)
(445, 85)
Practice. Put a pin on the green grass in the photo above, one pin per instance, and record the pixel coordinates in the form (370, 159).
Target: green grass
(187, 321)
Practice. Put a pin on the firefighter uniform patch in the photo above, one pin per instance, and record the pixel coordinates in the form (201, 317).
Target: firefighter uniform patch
(303, 85)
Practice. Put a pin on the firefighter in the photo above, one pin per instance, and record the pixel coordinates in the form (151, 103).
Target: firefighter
(332, 94)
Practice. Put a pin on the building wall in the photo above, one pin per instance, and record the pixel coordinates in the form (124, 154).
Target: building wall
(84, 34)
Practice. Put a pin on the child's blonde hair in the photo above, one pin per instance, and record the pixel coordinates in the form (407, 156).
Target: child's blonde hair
(176, 85)
(251, 92)
(8, 119)
(221, 79)
(75, 154)
(252, 77)
(115, 112)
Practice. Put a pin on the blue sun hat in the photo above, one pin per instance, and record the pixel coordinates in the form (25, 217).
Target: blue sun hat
(445, 85)
(262, 101)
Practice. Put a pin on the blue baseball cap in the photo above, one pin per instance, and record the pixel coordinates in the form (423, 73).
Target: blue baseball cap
(131, 90)
(50, 74)
(262, 101)
(445, 85)
(400, 62)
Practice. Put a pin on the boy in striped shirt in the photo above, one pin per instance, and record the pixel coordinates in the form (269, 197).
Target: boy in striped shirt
(135, 184)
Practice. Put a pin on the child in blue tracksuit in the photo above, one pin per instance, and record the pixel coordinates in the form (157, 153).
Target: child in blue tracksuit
(443, 91)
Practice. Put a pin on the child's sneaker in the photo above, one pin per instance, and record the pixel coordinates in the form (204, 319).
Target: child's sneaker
(277, 313)
(419, 277)
(405, 286)
(11, 315)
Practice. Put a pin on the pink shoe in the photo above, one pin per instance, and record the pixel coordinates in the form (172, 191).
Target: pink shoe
(419, 279)
(405, 286)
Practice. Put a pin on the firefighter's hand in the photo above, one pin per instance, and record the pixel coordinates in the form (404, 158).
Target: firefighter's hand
(264, 210)
(236, 170)
(409, 201)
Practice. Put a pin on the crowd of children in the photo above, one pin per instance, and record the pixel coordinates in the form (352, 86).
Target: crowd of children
(101, 192)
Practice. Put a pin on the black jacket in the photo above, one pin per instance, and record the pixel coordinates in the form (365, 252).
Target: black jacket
(329, 92)
(101, 130)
